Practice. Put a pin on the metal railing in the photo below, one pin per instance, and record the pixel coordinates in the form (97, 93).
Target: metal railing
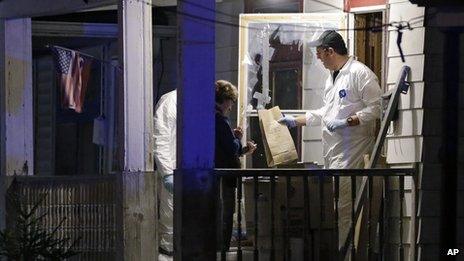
(296, 214)
(82, 207)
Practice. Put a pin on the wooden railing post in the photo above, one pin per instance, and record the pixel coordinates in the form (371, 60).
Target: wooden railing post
(136, 216)
(135, 140)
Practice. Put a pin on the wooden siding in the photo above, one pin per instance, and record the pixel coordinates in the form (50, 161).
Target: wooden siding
(404, 143)
(44, 125)
(227, 44)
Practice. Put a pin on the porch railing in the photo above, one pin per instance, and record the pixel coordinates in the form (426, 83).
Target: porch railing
(86, 204)
(297, 214)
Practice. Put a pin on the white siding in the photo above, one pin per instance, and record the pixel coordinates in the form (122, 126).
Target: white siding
(404, 150)
(312, 136)
(409, 125)
(413, 42)
(227, 44)
(413, 99)
(312, 142)
(405, 11)
(405, 141)
(312, 133)
(312, 151)
(404, 144)
(416, 62)
(323, 6)
(44, 83)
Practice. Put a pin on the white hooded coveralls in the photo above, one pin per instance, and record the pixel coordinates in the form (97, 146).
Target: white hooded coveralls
(355, 92)
(165, 158)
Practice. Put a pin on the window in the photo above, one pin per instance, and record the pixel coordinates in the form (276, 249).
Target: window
(278, 69)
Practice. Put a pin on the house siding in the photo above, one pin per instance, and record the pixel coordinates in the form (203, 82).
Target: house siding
(312, 136)
(227, 43)
(404, 142)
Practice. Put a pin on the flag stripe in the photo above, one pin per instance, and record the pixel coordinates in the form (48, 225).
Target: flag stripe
(74, 71)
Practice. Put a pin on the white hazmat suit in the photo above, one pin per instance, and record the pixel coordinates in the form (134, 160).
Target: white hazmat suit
(355, 92)
(165, 158)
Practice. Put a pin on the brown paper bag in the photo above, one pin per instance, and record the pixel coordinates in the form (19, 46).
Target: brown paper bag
(278, 143)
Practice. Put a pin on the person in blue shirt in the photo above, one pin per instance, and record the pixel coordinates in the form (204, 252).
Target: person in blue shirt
(228, 151)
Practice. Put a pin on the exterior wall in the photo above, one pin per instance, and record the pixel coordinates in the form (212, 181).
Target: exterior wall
(460, 178)
(430, 201)
(430, 175)
(311, 6)
(227, 43)
(405, 138)
(312, 136)
(169, 64)
(405, 141)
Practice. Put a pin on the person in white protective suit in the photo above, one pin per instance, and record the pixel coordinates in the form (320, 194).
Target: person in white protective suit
(351, 99)
(165, 159)
(351, 105)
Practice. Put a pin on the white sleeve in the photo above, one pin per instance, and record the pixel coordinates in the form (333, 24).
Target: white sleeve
(165, 125)
(370, 92)
(313, 117)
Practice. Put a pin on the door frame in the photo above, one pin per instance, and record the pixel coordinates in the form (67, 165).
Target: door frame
(351, 36)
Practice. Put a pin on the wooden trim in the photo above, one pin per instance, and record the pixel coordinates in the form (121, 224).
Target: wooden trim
(33, 8)
(368, 9)
(136, 50)
(18, 114)
(255, 6)
(97, 30)
(246, 21)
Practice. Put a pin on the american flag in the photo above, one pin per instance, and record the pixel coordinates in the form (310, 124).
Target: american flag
(74, 72)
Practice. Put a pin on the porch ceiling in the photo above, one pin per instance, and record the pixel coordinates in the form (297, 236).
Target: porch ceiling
(39, 43)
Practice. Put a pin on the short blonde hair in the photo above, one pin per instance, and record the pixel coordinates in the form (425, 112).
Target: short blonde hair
(225, 91)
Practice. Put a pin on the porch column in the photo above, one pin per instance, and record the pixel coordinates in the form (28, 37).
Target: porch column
(16, 101)
(139, 217)
(195, 185)
(2, 124)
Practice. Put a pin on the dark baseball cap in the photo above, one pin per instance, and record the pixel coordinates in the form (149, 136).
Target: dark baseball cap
(330, 38)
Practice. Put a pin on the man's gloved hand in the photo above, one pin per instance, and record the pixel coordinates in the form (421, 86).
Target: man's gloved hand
(337, 124)
(288, 120)
(168, 182)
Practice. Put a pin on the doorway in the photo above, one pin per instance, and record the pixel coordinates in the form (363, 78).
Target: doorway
(368, 43)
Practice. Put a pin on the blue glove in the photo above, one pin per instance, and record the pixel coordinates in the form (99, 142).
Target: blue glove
(337, 124)
(288, 120)
(168, 182)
